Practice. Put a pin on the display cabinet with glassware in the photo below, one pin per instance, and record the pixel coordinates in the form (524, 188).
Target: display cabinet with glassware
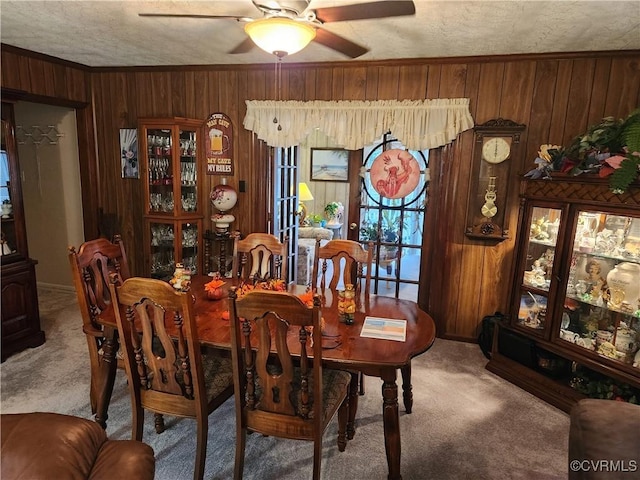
(575, 303)
(20, 313)
(171, 164)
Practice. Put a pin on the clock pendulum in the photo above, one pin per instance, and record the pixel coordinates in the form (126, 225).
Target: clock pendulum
(489, 209)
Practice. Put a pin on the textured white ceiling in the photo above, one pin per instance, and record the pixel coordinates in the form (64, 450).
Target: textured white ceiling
(110, 33)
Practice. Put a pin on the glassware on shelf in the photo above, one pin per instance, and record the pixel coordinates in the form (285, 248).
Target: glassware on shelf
(588, 223)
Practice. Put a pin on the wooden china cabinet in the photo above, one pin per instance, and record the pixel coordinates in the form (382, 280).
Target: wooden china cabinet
(20, 313)
(573, 328)
(170, 149)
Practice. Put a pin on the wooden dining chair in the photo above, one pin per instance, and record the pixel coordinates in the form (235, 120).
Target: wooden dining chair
(344, 261)
(281, 386)
(166, 370)
(260, 256)
(91, 266)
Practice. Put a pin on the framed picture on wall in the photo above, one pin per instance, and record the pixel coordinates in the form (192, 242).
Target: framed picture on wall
(329, 165)
(129, 153)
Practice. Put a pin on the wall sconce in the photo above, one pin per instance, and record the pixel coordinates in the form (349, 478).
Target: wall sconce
(304, 195)
(280, 36)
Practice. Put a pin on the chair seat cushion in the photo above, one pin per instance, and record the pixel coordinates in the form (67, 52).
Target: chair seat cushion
(218, 373)
(335, 384)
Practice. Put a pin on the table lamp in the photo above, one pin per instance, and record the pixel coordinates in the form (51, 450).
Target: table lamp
(304, 195)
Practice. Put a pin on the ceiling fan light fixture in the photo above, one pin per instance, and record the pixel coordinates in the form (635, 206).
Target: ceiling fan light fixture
(280, 34)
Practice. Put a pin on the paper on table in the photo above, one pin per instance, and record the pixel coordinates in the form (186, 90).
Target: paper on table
(384, 328)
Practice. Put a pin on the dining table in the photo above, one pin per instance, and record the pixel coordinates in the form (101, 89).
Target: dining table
(343, 348)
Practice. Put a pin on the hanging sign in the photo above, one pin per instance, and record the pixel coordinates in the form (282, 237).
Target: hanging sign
(395, 173)
(219, 144)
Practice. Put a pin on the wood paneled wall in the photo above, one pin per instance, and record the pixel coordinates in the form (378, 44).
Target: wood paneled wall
(556, 97)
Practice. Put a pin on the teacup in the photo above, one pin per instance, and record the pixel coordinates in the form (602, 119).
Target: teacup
(603, 336)
(569, 336)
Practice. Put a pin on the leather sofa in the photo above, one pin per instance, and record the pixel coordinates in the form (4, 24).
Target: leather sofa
(604, 440)
(50, 445)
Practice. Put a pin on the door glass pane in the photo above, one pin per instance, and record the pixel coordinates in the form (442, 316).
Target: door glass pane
(188, 172)
(160, 168)
(162, 250)
(602, 302)
(190, 247)
(284, 222)
(538, 268)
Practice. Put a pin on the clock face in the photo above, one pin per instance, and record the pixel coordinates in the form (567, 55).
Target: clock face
(496, 150)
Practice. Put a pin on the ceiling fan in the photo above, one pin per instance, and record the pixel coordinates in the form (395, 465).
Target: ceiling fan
(309, 22)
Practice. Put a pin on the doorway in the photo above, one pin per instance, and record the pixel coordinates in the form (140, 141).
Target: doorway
(48, 154)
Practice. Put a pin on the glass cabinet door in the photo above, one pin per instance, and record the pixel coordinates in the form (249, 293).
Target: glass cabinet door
(162, 258)
(190, 239)
(188, 172)
(160, 171)
(13, 237)
(601, 310)
(536, 279)
(171, 243)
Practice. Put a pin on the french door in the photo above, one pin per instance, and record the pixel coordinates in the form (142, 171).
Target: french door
(394, 225)
(284, 183)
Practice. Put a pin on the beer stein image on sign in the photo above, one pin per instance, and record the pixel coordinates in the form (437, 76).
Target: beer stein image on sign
(218, 142)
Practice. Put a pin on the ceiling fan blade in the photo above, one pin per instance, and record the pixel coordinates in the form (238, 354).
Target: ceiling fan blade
(339, 44)
(363, 11)
(194, 15)
(243, 47)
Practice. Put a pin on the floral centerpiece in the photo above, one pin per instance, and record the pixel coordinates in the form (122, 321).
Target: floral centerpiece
(275, 284)
(334, 212)
(610, 148)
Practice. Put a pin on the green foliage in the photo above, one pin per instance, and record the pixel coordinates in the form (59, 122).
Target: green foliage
(622, 177)
(388, 230)
(590, 152)
(316, 218)
(631, 132)
(597, 385)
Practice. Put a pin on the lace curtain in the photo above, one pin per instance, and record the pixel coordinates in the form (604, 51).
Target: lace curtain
(418, 124)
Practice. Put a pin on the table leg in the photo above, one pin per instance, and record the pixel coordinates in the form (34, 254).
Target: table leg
(391, 421)
(106, 376)
(353, 405)
(407, 390)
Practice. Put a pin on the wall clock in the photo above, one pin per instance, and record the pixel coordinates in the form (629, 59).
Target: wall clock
(496, 147)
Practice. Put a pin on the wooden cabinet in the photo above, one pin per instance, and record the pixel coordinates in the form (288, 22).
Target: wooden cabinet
(170, 149)
(575, 304)
(20, 314)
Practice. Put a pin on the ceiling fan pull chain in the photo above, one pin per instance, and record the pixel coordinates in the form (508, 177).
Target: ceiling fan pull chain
(278, 88)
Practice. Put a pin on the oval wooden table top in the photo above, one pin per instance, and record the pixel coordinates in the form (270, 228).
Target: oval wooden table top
(343, 343)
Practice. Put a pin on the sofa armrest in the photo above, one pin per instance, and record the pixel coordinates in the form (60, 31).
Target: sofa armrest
(51, 445)
(603, 430)
(127, 458)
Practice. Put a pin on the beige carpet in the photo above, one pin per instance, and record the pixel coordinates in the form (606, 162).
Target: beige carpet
(466, 422)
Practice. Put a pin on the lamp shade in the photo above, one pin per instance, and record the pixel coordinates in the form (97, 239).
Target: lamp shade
(304, 194)
(280, 34)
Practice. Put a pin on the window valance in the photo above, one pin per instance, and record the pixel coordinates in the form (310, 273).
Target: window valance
(418, 124)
